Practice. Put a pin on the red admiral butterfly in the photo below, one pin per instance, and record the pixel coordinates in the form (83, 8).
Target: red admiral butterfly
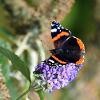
(68, 48)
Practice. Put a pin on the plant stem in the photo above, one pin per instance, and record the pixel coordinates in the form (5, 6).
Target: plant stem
(24, 93)
(41, 94)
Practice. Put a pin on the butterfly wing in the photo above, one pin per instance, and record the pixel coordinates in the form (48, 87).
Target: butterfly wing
(59, 34)
(68, 48)
(71, 51)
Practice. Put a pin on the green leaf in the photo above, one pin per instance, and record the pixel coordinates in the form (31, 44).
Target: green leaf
(41, 94)
(4, 35)
(17, 62)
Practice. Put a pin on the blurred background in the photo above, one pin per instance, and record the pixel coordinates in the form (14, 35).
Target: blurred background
(25, 30)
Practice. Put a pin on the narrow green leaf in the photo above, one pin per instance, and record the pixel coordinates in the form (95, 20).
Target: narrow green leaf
(41, 94)
(17, 62)
(4, 35)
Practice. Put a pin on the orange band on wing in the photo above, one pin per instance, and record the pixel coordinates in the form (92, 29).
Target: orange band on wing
(60, 35)
(81, 45)
(80, 61)
(60, 61)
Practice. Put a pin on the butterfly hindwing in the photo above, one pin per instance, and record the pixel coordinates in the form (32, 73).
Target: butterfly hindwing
(70, 51)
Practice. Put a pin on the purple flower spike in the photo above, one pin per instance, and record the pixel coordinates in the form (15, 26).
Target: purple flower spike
(56, 77)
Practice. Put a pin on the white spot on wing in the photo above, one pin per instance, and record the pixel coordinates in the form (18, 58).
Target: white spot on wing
(62, 27)
(58, 28)
(54, 30)
(52, 24)
(51, 60)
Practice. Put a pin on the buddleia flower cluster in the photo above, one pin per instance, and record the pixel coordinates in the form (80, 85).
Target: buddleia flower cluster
(55, 77)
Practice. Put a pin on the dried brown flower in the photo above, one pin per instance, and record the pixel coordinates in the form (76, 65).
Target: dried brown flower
(4, 93)
(22, 14)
